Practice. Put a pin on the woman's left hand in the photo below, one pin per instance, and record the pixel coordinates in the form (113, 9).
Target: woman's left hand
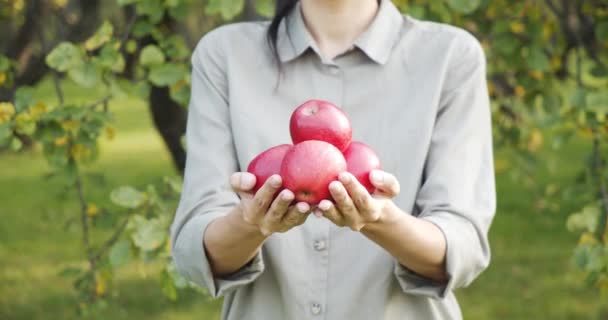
(355, 207)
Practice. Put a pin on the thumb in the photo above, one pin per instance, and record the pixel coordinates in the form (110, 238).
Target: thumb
(243, 183)
(385, 183)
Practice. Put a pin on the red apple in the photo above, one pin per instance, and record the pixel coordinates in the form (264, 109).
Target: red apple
(267, 163)
(308, 169)
(361, 159)
(320, 120)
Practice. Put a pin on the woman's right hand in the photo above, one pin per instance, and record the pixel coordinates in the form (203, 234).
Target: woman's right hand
(269, 214)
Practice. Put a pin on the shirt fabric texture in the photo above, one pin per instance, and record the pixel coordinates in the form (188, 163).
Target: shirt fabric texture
(415, 91)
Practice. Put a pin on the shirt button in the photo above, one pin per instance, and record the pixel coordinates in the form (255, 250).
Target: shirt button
(315, 308)
(319, 245)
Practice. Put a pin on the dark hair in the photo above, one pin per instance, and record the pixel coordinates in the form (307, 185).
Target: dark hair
(283, 8)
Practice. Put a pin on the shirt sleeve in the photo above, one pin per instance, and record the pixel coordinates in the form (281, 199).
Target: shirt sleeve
(458, 189)
(211, 159)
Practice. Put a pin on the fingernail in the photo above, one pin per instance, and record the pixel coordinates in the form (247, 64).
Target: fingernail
(377, 176)
(286, 195)
(324, 205)
(275, 181)
(334, 186)
(247, 181)
(302, 207)
(344, 177)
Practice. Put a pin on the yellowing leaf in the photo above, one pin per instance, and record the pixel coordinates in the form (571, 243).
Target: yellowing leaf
(587, 238)
(79, 152)
(520, 92)
(517, 27)
(7, 110)
(61, 141)
(535, 140)
(92, 210)
(110, 132)
(536, 74)
(491, 89)
(2, 78)
(60, 3)
(37, 110)
(101, 36)
(101, 284)
(70, 125)
(555, 63)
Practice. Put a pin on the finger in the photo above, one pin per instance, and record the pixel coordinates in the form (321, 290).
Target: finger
(264, 197)
(385, 183)
(279, 206)
(243, 183)
(343, 201)
(357, 192)
(294, 215)
(327, 209)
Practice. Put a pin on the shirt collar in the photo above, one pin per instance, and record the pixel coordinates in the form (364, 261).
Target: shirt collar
(376, 42)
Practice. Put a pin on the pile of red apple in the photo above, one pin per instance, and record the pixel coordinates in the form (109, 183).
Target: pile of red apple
(322, 149)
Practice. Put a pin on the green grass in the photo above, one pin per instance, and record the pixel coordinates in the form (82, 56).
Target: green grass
(530, 276)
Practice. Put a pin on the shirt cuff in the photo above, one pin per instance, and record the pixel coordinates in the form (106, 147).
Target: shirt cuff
(191, 259)
(416, 284)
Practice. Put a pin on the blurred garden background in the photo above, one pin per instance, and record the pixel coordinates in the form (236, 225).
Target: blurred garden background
(93, 99)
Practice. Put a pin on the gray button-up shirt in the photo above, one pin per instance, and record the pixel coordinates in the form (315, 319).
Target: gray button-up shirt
(415, 91)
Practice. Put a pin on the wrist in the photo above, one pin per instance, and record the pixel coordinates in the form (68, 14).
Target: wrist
(389, 214)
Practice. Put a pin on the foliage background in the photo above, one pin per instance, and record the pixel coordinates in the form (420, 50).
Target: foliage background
(93, 97)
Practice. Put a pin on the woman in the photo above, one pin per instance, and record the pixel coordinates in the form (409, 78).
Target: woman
(415, 91)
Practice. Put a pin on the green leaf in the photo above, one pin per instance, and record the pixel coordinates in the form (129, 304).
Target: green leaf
(176, 47)
(24, 97)
(537, 59)
(5, 63)
(111, 58)
(166, 74)
(64, 57)
(85, 75)
(506, 44)
(228, 9)
(578, 99)
(579, 258)
(464, 6)
(6, 133)
(180, 93)
(168, 285)
(120, 254)
(101, 36)
(126, 2)
(586, 220)
(127, 197)
(142, 28)
(178, 10)
(142, 90)
(151, 8)
(150, 234)
(16, 144)
(265, 8)
(174, 183)
(151, 55)
(601, 31)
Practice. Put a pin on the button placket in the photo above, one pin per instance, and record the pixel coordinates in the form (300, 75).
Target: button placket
(319, 245)
(315, 308)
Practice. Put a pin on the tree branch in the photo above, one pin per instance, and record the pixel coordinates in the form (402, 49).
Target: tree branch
(84, 217)
(602, 189)
(111, 241)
